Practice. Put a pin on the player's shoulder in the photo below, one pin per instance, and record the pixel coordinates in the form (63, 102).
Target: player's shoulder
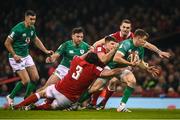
(126, 44)
(115, 33)
(85, 43)
(18, 26)
(131, 34)
(68, 42)
(127, 41)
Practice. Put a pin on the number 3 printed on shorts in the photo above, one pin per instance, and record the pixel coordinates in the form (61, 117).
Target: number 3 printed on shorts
(76, 75)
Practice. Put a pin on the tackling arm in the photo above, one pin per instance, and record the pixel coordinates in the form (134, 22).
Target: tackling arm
(112, 72)
(99, 42)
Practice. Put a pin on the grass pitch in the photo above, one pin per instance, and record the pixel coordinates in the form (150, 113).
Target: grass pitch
(145, 114)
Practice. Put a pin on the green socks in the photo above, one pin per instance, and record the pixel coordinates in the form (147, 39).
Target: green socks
(16, 89)
(31, 87)
(84, 96)
(127, 93)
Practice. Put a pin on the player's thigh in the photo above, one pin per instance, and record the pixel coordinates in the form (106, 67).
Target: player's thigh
(128, 77)
(52, 80)
(17, 66)
(23, 76)
(61, 101)
(33, 73)
(113, 83)
(31, 68)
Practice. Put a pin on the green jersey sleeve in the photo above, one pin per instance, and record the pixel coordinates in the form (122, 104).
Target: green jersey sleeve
(124, 47)
(61, 49)
(14, 34)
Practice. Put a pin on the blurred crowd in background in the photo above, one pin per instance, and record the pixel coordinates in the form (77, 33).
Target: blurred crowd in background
(56, 18)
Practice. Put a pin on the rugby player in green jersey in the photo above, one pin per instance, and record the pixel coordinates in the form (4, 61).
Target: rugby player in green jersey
(123, 34)
(121, 59)
(67, 50)
(127, 49)
(17, 44)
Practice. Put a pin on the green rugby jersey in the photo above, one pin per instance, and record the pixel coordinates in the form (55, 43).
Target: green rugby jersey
(21, 37)
(68, 50)
(126, 47)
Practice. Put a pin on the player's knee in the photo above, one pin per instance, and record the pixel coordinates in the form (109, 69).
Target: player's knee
(93, 89)
(130, 80)
(113, 81)
(25, 82)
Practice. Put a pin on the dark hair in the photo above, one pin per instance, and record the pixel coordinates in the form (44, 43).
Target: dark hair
(77, 30)
(30, 13)
(141, 33)
(92, 58)
(126, 21)
(110, 38)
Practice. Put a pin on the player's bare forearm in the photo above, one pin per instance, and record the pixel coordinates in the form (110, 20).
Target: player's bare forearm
(120, 60)
(84, 55)
(143, 65)
(8, 45)
(99, 42)
(107, 73)
(112, 72)
(161, 53)
(105, 58)
(40, 45)
(116, 71)
(52, 58)
(152, 47)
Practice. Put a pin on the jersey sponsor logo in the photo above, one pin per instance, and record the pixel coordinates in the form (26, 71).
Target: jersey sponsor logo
(82, 51)
(71, 51)
(99, 68)
(24, 34)
(32, 33)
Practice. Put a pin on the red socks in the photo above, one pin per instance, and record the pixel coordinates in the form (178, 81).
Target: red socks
(31, 99)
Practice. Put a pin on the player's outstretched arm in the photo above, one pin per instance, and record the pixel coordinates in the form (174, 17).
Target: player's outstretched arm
(106, 57)
(152, 47)
(112, 72)
(150, 69)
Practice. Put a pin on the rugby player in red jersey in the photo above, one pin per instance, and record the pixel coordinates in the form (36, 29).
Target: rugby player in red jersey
(83, 71)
